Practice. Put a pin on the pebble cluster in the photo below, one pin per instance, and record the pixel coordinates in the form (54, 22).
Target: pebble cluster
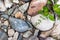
(19, 20)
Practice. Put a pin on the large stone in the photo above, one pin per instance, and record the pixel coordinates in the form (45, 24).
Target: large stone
(41, 22)
(18, 24)
(35, 6)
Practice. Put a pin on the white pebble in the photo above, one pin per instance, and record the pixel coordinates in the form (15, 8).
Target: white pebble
(16, 1)
(27, 34)
(6, 23)
(10, 32)
(15, 36)
(10, 38)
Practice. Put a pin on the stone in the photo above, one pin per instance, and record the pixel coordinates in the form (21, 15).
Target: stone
(28, 17)
(6, 23)
(5, 16)
(15, 37)
(3, 35)
(19, 15)
(35, 6)
(2, 7)
(8, 3)
(4, 27)
(50, 38)
(18, 24)
(15, 1)
(10, 38)
(24, 7)
(20, 37)
(26, 0)
(27, 34)
(41, 22)
(11, 32)
(56, 31)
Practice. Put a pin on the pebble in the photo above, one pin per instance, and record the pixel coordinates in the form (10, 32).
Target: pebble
(28, 17)
(4, 27)
(18, 24)
(41, 22)
(10, 38)
(24, 7)
(19, 15)
(35, 6)
(26, 0)
(15, 37)
(3, 35)
(16, 1)
(6, 23)
(20, 37)
(27, 34)
(56, 31)
(2, 8)
(5, 16)
(50, 38)
(11, 32)
(8, 3)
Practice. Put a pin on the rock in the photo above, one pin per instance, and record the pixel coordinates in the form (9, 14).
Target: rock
(18, 24)
(5, 16)
(15, 36)
(20, 37)
(11, 10)
(3, 35)
(6, 23)
(35, 6)
(16, 1)
(33, 38)
(41, 22)
(50, 38)
(8, 3)
(26, 0)
(56, 31)
(27, 34)
(4, 27)
(24, 7)
(36, 32)
(19, 15)
(10, 38)
(28, 17)
(2, 7)
(11, 32)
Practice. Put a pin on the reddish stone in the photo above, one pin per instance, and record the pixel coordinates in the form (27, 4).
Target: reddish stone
(35, 6)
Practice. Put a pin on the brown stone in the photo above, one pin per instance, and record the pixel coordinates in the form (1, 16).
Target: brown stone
(35, 6)
(19, 15)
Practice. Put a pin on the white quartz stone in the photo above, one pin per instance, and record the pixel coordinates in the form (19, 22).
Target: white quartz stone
(41, 22)
(16, 1)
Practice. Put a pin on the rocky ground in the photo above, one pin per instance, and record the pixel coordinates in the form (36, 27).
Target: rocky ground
(19, 20)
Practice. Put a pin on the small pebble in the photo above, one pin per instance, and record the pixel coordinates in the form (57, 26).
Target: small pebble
(16, 1)
(10, 38)
(15, 36)
(5, 16)
(50, 38)
(27, 34)
(6, 23)
(11, 32)
(19, 15)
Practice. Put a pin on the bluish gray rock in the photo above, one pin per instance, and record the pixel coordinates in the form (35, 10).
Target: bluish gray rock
(5, 16)
(18, 24)
(3, 35)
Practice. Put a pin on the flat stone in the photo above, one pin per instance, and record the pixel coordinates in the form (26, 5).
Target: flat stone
(35, 6)
(11, 32)
(18, 24)
(10, 38)
(41, 22)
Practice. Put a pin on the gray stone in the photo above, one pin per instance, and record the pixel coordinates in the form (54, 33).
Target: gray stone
(24, 7)
(5, 16)
(18, 24)
(3, 35)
